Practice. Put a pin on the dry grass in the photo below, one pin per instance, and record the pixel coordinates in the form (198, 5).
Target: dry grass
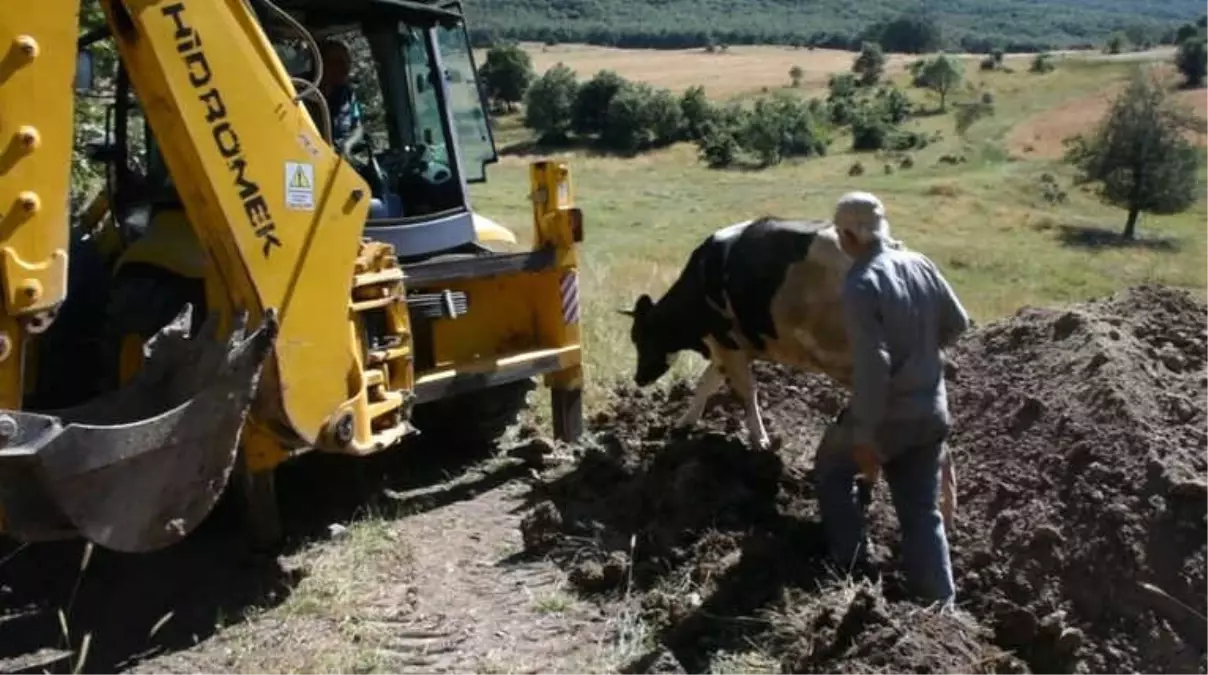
(344, 616)
(735, 71)
(747, 69)
(1041, 135)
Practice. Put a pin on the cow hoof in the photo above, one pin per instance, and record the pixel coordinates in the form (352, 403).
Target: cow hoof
(761, 444)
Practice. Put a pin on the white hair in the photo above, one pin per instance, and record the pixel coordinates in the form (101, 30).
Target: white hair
(863, 215)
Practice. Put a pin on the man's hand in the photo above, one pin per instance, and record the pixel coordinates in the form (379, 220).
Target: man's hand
(866, 460)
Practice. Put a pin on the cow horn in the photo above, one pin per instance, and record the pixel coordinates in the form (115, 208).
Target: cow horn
(625, 312)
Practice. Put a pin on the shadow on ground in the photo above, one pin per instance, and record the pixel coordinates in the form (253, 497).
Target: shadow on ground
(1078, 236)
(137, 606)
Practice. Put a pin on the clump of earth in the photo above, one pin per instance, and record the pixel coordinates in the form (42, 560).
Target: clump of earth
(1079, 544)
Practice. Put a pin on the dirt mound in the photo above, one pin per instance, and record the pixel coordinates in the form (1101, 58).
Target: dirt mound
(1080, 441)
(1079, 438)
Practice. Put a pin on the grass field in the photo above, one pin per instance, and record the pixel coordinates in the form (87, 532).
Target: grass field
(984, 222)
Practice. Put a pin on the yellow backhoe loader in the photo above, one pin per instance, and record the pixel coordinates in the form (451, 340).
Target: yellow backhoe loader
(242, 291)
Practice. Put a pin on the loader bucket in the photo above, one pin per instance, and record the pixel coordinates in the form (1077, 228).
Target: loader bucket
(139, 468)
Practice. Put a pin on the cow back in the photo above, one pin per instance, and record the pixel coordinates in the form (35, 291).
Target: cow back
(743, 269)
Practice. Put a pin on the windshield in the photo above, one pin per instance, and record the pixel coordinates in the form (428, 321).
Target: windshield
(427, 123)
(407, 149)
(466, 102)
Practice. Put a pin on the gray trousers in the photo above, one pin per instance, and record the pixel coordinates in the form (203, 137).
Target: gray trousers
(914, 453)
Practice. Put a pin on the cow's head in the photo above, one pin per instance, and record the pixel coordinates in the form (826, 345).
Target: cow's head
(654, 358)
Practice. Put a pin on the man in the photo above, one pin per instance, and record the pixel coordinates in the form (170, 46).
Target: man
(347, 126)
(899, 313)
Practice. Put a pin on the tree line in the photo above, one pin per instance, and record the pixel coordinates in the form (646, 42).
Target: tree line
(978, 27)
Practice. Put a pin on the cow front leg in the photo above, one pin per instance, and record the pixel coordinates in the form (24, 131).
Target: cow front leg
(708, 384)
(738, 368)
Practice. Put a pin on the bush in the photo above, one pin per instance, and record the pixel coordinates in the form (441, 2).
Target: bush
(842, 85)
(1192, 60)
(591, 103)
(988, 63)
(550, 102)
(1042, 63)
(841, 100)
(870, 130)
(778, 127)
(800, 132)
(696, 110)
(895, 103)
(719, 144)
(639, 117)
(665, 117)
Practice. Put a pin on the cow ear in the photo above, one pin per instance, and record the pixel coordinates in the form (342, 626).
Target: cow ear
(625, 312)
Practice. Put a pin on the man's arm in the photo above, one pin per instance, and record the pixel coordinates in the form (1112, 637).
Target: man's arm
(870, 360)
(953, 319)
(356, 126)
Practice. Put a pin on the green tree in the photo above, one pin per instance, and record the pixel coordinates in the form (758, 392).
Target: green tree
(870, 64)
(550, 103)
(910, 33)
(1192, 60)
(1138, 155)
(796, 74)
(941, 75)
(591, 104)
(1187, 30)
(1115, 43)
(506, 74)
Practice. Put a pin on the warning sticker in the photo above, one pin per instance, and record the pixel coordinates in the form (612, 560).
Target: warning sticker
(299, 186)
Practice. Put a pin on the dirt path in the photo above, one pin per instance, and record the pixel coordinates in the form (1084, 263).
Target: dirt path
(492, 611)
(431, 579)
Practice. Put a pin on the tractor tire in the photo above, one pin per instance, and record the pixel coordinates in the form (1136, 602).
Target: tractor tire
(142, 300)
(476, 418)
(68, 367)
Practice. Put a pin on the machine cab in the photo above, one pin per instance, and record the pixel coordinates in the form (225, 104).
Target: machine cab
(425, 133)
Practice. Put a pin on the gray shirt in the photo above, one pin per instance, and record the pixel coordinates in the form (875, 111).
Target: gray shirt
(900, 313)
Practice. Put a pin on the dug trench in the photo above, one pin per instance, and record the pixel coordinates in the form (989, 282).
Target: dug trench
(1079, 543)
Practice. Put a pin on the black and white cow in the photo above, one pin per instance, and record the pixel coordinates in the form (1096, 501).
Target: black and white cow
(768, 289)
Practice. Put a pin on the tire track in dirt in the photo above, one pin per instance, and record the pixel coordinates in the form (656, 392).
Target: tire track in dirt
(498, 611)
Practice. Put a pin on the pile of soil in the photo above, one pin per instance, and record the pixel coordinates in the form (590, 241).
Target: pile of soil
(1080, 436)
(1080, 452)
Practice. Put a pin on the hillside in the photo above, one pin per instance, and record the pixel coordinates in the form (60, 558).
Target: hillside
(1011, 24)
